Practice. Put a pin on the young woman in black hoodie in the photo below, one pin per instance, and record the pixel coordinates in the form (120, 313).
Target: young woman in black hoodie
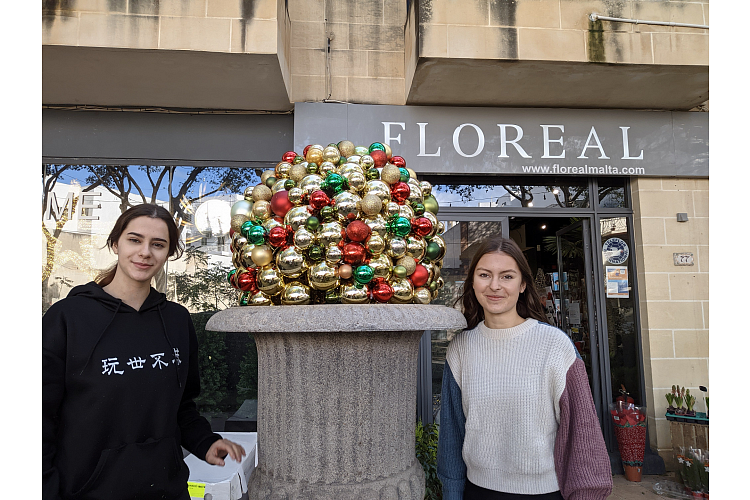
(120, 371)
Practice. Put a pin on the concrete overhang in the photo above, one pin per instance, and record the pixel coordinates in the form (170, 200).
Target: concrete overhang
(503, 83)
(189, 79)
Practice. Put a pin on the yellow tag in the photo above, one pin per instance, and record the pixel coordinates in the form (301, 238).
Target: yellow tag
(196, 490)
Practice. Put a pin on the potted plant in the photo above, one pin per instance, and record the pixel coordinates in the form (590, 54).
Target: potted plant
(690, 403)
(679, 398)
(670, 400)
(630, 430)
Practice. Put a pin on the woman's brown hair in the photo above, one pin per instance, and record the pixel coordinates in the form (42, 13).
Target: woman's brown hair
(528, 305)
(144, 210)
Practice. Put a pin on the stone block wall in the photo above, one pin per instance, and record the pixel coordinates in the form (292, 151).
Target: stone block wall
(560, 30)
(673, 299)
(234, 26)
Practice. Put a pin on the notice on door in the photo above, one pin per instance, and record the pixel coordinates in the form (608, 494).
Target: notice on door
(617, 282)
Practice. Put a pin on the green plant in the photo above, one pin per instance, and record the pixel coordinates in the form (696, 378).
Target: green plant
(689, 400)
(670, 398)
(706, 399)
(426, 443)
(679, 398)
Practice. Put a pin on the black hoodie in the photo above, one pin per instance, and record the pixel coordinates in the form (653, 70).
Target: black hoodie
(118, 389)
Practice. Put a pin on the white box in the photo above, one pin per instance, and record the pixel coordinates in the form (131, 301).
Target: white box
(228, 482)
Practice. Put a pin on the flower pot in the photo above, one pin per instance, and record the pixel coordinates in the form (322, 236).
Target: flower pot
(633, 473)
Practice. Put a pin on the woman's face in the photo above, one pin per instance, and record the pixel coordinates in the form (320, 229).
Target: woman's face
(497, 284)
(142, 249)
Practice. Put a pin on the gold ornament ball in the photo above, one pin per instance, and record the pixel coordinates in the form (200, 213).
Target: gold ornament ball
(379, 189)
(326, 168)
(265, 175)
(346, 148)
(361, 150)
(333, 254)
(269, 281)
(415, 247)
(310, 183)
(396, 247)
(242, 207)
(390, 174)
(330, 233)
(322, 276)
(261, 192)
(331, 154)
(366, 161)
(259, 299)
(435, 223)
(303, 238)
(248, 194)
(290, 262)
(278, 186)
(407, 263)
(415, 194)
(422, 295)
(282, 170)
(388, 151)
(412, 173)
(377, 224)
(261, 210)
(351, 294)
(246, 257)
(261, 255)
(295, 196)
(296, 217)
(371, 204)
(357, 181)
(405, 211)
(314, 155)
(403, 292)
(235, 223)
(375, 244)
(295, 294)
(298, 172)
(392, 208)
(346, 205)
(348, 168)
(381, 266)
(426, 188)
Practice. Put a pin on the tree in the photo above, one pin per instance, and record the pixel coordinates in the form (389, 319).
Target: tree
(207, 288)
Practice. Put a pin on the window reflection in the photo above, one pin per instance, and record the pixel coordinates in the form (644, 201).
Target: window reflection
(611, 193)
(525, 193)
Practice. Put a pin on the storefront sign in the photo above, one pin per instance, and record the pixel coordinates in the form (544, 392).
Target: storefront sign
(533, 141)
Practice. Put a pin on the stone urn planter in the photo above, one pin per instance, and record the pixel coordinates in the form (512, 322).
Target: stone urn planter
(337, 397)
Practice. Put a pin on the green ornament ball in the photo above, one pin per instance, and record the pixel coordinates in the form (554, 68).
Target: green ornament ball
(256, 235)
(376, 146)
(361, 150)
(271, 181)
(230, 274)
(333, 296)
(312, 223)
(372, 174)
(399, 271)
(335, 183)
(245, 228)
(400, 226)
(327, 213)
(431, 205)
(298, 159)
(418, 209)
(404, 174)
(289, 184)
(315, 253)
(363, 274)
(312, 168)
(244, 298)
(432, 251)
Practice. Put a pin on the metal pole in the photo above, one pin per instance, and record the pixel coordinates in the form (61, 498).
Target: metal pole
(599, 17)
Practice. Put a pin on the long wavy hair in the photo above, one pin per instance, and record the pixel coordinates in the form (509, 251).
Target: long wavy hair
(144, 210)
(528, 305)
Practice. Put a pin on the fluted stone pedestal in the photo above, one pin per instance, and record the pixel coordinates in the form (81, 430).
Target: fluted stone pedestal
(337, 397)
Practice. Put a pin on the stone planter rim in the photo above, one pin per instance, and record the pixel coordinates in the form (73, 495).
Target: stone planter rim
(337, 318)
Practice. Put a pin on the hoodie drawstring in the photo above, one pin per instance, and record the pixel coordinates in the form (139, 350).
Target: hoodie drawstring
(91, 352)
(166, 335)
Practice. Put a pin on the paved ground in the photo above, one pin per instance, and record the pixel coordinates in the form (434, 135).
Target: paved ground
(625, 490)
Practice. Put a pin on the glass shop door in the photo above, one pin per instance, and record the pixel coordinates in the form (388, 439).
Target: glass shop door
(574, 287)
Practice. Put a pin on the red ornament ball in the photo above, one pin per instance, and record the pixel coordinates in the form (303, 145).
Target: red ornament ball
(304, 151)
(420, 276)
(318, 200)
(421, 226)
(280, 203)
(398, 161)
(382, 292)
(246, 282)
(358, 231)
(400, 192)
(379, 157)
(353, 253)
(277, 236)
(289, 156)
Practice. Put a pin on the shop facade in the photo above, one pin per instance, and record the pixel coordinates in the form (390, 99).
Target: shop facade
(580, 139)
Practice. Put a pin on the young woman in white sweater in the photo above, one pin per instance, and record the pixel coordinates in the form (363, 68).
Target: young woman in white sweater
(517, 419)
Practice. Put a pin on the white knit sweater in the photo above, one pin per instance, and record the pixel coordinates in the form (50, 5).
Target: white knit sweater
(511, 381)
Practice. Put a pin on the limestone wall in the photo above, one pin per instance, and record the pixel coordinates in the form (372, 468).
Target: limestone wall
(673, 299)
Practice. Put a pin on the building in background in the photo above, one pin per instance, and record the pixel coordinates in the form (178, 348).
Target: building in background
(182, 100)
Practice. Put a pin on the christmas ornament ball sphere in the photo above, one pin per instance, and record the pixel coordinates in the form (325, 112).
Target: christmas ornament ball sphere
(421, 226)
(353, 253)
(261, 210)
(403, 291)
(363, 274)
(277, 236)
(322, 276)
(261, 192)
(361, 150)
(399, 271)
(426, 188)
(319, 199)
(290, 262)
(296, 195)
(280, 203)
(246, 281)
(382, 292)
(242, 207)
(398, 161)
(376, 146)
(345, 271)
(390, 174)
(265, 175)
(388, 151)
(420, 276)
(354, 294)
(331, 154)
(296, 217)
(314, 155)
(379, 189)
(400, 191)
(357, 181)
(262, 255)
(422, 295)
(379, 158)
(255, 235)
(333, 254)
(303, 238)
(259, 299)
(371, 204)
(346, 148)
(407, 263)
(295, 294)
(235, 223)
(298, 172)
(289, 156)
(396, 247)
(358, 231)
(367, 161)
(375, 244)
(431, 204)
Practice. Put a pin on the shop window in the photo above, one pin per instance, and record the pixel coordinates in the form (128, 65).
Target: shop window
(518, 192)
(612, 192)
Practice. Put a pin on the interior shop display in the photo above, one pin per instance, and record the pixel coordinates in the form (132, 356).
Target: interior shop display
(337, 224)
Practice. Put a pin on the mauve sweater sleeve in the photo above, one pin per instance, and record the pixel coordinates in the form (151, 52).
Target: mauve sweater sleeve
(451, 468)
(581, 459)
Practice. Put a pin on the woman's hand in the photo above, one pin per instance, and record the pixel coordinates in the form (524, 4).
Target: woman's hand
(222, 448)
